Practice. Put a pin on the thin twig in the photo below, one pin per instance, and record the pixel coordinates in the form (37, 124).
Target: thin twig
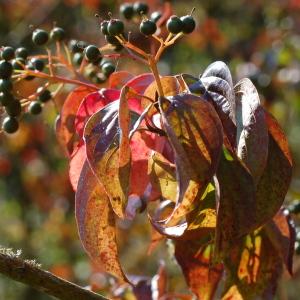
(153, 67)
(56, 78)
(50, 64)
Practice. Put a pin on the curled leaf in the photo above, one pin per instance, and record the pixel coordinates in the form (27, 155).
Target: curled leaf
(252, 132)
(218, 69)
(216, 86)
(195, 133)
(162, 176)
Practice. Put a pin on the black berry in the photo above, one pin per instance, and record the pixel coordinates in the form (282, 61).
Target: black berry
(108, 68)
(10, 125)
(6, 98)
(174, 25)
(21, 52)
(5, 85)
(127, 10)
(13, 108)
(57, 34)
(115, 27)
(148, 27)
(6, 69)
(103, 27)
(189, 24)
(92, 53)
(35, 107)
(155, 16)
(140, 8)
(44, 96)
(8, 53)
(40, 37)
(38, 64)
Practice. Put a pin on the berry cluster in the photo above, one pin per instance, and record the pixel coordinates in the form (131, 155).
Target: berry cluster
(14, 61)
(148, 26)
(17, 65)
(85, 63)
(96, 69)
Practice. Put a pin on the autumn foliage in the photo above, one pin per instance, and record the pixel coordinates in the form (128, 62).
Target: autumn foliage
(208, 150)
(204, 152)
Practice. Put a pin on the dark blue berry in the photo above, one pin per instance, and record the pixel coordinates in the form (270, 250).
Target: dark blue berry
(40, 37)
(35, 107)
(8, 53)
(10, 125)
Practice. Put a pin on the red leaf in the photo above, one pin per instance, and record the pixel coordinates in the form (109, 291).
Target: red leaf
(118, 79)
(141, 82)
(96, 223)
(66, 130)
(88, 107)
(76, 163)
(91, 104)
(141, 145)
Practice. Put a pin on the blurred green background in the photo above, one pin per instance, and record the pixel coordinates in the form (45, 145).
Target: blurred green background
(257, 39)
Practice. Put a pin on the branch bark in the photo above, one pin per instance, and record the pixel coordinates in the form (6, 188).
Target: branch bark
(28, 272)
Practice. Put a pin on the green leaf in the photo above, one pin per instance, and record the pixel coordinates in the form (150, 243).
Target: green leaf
(162, 176)
(195, 133)
(196, 262)
(252, 131)
(96, 223)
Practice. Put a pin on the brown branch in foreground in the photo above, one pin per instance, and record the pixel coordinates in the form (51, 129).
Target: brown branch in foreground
(28, 272)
